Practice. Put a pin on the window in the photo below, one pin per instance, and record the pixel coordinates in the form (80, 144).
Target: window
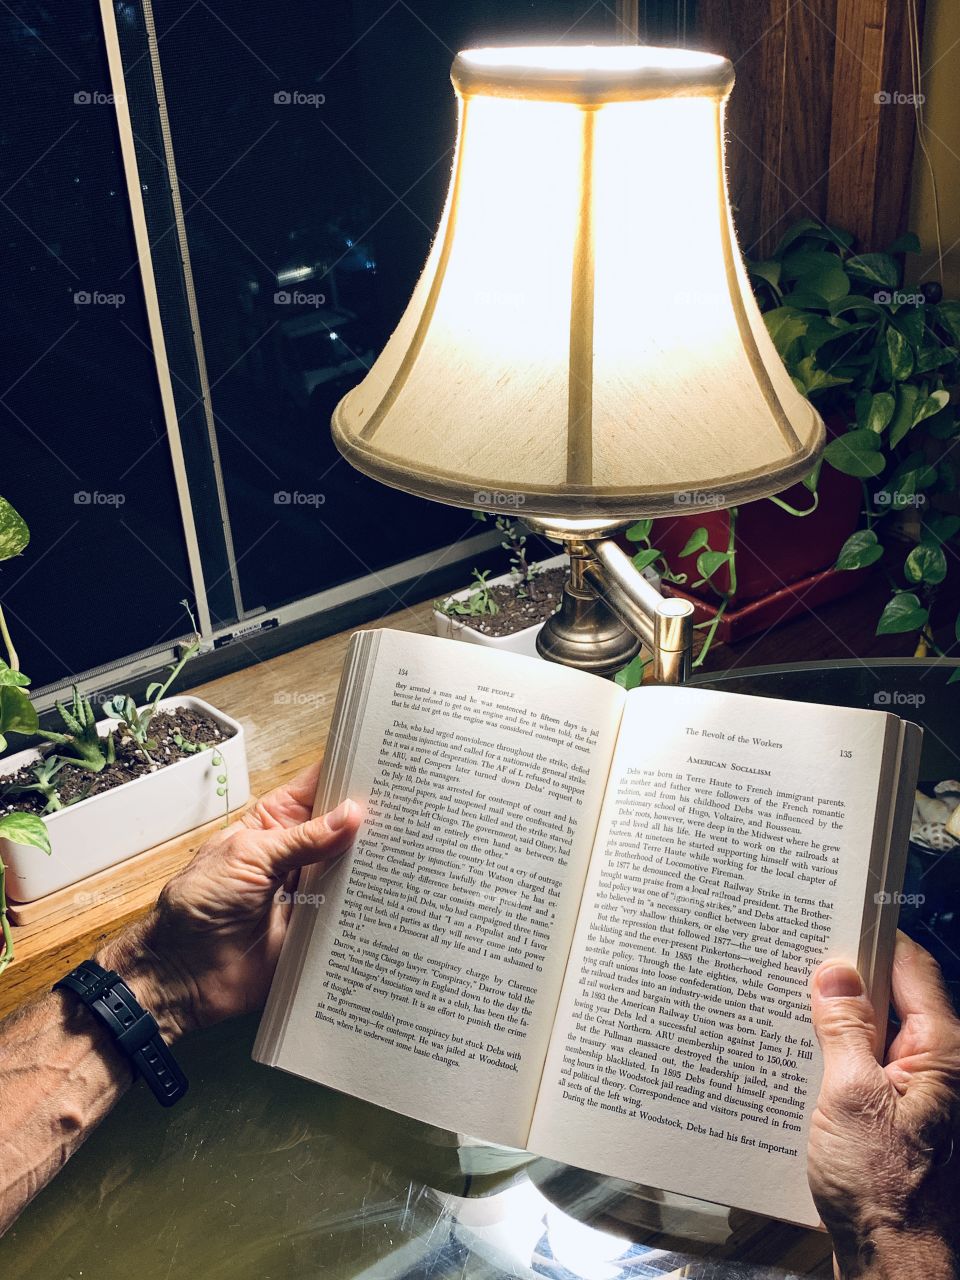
(213, 217)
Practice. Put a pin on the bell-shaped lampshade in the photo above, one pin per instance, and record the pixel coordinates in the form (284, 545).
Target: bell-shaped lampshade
(583, 341)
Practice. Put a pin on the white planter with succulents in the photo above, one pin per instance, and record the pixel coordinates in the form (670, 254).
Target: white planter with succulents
(96, 794)
(484, 612)
(475, 603)
(106, 828)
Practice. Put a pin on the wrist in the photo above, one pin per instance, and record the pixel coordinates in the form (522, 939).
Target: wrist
(889, 1253)
(133, 955)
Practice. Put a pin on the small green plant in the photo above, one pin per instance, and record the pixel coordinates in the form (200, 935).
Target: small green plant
(17, 712)
(223, 783)
(17, 715)
(136, 722)
(44, 784)
(514, 541)
(218, 762)
(82, 746)
(478, 603)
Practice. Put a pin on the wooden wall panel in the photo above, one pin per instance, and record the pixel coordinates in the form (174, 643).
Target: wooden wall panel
(806, 137)
(871, 150)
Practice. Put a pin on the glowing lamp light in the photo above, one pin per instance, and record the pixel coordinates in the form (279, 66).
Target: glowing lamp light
(583, 335)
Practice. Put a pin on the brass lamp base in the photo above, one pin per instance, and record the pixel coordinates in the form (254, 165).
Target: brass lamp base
(608, 608)
(585, 633)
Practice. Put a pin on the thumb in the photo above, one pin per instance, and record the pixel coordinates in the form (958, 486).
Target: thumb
(286, 849)
(844, 1021)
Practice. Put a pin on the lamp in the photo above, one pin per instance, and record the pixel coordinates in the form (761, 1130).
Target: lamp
(583, 347)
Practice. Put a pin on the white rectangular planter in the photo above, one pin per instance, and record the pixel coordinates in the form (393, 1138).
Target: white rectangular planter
(106, 829)
(524, 641)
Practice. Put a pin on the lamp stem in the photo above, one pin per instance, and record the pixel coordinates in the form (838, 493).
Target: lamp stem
(628, 15)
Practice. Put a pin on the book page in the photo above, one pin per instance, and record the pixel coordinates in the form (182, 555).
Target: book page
(733, 854)
(434, 967)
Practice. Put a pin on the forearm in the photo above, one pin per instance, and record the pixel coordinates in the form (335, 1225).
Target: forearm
(60, 1074)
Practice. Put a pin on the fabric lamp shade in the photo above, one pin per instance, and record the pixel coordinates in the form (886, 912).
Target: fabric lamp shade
(583, 341)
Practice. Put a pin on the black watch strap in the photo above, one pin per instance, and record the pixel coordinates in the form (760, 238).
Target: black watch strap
(134, 1030)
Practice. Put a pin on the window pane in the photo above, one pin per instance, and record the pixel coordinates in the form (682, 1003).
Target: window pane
(313, 146)
(85, 455)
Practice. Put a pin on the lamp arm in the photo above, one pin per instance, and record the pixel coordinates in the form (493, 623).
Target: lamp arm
(665, 626)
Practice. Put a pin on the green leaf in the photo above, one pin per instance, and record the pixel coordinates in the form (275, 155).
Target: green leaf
(857, 302)
(817, 271)
(803, 262)
(896, 358)
(815, 379)
(831, 283)
(910, 323)
(943, 425)
(14, 534)
(934, 355)
(640, 531)
(943, 528)
(859, 550)
(905, 415)
(856, 454)
(908, 243)
(696, 542)
(806, 299)
(875, 268)
(803, 227)
(948, 314)
(926, 563)
(816, 231)
(25, 828)
(769, 271)
(17, 712)
(154, 689)
(643, 559)
(903, 613)
(631, 676)
(934, 402)
(785, 325)
(812, 478)
(708, 562)
(879, 411)
(9, 676)
(955, 676)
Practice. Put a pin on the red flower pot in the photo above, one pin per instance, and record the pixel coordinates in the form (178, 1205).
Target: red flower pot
(774, 548)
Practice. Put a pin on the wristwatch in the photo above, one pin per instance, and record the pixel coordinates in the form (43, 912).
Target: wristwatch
(134, 1030)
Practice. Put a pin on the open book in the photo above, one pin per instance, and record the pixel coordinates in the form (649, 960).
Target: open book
(583, 921)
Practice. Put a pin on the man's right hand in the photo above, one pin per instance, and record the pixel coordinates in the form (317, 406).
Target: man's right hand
(884, 1154)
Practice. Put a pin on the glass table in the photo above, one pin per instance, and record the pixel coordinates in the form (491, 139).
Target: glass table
(258, 1175)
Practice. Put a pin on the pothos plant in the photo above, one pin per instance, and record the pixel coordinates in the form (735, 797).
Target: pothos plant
(17, 715)
(880, 358)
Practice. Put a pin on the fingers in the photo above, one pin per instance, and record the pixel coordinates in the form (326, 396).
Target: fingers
(845, 1023)
(918, 986)
(286, 849)
(300, 790)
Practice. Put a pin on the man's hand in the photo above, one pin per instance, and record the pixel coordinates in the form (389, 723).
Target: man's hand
(883, 1167)
(209, 949)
